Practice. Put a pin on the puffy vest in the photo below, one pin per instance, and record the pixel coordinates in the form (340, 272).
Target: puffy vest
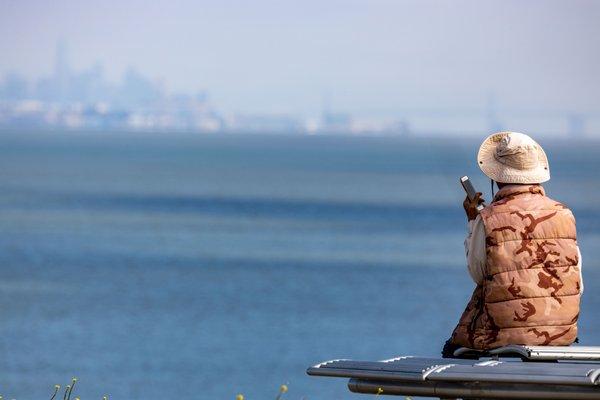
(531, 292)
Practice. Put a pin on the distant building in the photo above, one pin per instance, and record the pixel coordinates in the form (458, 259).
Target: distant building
(576, 125)
(261, 123)
(493, 122)
(14, 87)
(83, 99)
(335, 122)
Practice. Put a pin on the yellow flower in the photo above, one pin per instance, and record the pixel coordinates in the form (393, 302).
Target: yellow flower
(379, 391)
(239, 397)
(56, 388)
(283, 388)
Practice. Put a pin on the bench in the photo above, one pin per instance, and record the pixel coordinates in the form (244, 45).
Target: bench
(567, 373)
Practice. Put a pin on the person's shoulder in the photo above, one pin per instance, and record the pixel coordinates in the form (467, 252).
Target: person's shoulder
(551, 203)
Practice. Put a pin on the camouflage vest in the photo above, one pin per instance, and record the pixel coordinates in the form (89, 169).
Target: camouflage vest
(531, 292)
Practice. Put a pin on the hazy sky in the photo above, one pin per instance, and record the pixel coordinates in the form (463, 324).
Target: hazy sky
(369, 57)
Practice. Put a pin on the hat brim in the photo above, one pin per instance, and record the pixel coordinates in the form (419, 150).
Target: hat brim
(502, 173)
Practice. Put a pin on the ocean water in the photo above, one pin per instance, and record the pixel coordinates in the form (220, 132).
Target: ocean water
(190, 266)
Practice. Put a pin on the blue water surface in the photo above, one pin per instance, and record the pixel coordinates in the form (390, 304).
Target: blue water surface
(189, 266)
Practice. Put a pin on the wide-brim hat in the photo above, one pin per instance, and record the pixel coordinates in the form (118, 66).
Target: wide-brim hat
(513, 157)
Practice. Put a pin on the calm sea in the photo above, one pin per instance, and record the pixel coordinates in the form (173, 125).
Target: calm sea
(199, 267)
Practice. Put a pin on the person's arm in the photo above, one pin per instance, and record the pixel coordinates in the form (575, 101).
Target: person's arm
(579, 264)
(475, 250)
(475, 241)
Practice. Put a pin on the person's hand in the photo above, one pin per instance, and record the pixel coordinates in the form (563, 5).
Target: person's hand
(470, 206)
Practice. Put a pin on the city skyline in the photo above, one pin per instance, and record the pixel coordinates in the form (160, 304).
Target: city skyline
(458, 66)
(370, 58)
(73, 98)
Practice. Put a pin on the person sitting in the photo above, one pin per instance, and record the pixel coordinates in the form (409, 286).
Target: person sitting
(522, 253)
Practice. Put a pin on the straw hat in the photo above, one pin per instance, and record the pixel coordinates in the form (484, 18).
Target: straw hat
(512, 157)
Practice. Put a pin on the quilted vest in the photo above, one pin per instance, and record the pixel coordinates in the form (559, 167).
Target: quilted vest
(532, 288)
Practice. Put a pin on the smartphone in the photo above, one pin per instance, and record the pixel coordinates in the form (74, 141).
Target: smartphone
(470, 190)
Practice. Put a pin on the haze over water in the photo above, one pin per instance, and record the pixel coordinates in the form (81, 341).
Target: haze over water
(205, 266)
(437, 65)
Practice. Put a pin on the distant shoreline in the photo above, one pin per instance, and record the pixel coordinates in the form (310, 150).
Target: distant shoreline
(411, 137)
